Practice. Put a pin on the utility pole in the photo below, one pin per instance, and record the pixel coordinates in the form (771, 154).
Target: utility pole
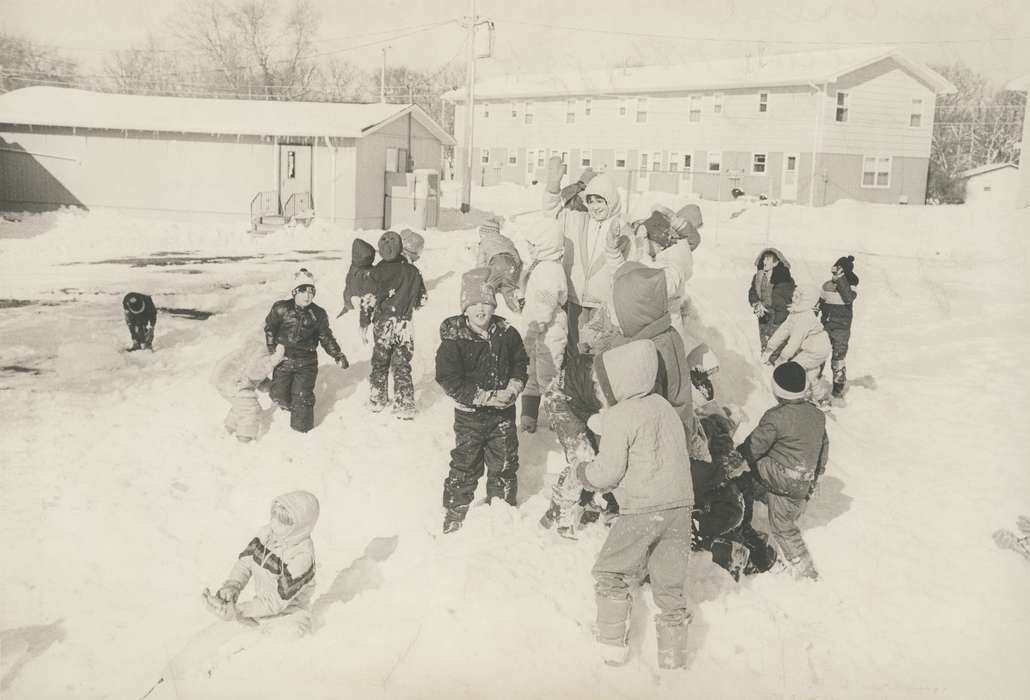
(470, 96)
(382, 79)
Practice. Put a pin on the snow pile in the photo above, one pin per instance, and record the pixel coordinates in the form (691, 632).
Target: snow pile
(124, 496)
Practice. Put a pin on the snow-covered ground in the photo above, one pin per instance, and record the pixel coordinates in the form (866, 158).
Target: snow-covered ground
(124, 497)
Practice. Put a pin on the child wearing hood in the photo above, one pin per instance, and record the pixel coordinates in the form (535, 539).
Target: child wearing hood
(547, 324)
(359, 284)
(498, 252)
(399, 290)
(141, 318)
(786, 454)
(482, 365)
(412, 245)
(300, 326)
(642, 459)
(237, 377)
(770, 292)
(802, 338)
(280, 561)
(835, 301)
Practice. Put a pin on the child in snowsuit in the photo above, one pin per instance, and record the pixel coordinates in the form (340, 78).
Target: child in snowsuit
(238, 378)
(547, 325)
(359, 284)
(642, 458)
(803, 339)
(412, 245)
(498, 253)
(786, 454)
(141, 318)
(299, 325)
(280, 561)
(835, 302)
(770, 292)
(482, 365)
(664, 226)
(399, 290)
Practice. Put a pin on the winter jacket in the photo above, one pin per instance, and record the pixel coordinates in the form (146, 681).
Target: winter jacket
(677, 261)
(300, 330)
(399, 289)
(281, 567)
(643, 455)
(494, 244)
(802, 335)
(544, 313)
(359, 283)
(139, 308)
(789, 448)
(835, 302)
(469, 365)
(588, 262)
(237, 377)
(782, 288)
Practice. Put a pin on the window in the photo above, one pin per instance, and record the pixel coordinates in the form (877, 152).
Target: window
(527, 112)
(514, 111)
(758, 162)
(643, 162)
(484, 156)
(714, 161)
(513, 156)
(763, 102)
(586, 107)
(541, 156)
(530, 161)
(486, 110)
(842, 106)
(570, 112)
(876, 171)
(586, 157)
(291, 164)
(674, 161)
(620, 159)
(687, 161)
(656, 161)
(916, 117)
(717, 101)
(641, 110)
(391, 160)
(695, 108)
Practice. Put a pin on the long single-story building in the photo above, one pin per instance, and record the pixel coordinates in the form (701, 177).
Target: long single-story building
(208, 159)
(807, 127)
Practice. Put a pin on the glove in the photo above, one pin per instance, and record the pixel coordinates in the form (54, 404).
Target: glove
(527, 424)
(586, 176)
(759, 309)
(223, 608)
(341, 362)
(555, 172)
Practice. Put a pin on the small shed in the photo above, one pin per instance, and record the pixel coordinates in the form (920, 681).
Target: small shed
(208, 159)
(993, 184)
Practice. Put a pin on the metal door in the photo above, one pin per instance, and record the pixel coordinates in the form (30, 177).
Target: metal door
(294, 171)
(789, 184)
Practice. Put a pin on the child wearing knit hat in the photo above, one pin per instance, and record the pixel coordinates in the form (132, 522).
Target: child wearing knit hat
(141, 318)
(786, 454)
(497, 252)
(835, 302)
(482, 365)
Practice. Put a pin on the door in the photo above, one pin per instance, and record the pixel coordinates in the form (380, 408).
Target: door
(294, 172)
(789, 184)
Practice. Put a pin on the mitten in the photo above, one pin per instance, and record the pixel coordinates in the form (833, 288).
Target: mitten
(222, 608)
(278, 354)
(341, 362)
(759, 309)
(586, 176)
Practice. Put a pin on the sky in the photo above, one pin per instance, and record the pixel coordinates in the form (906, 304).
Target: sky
(992, 36)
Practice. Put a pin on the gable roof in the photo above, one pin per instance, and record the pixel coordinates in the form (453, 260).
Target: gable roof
(766, 71)
(67, 107)
(990, 167)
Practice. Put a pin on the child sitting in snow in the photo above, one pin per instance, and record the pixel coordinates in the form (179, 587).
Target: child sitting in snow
(546, 322)
(399, 290)
(141, 318)
(238, 378)
(360, 285)
(803, 339)
(482, 365)
(786, 453)
(835, 302)
(498, 253)
(280, 561)
(642, 458)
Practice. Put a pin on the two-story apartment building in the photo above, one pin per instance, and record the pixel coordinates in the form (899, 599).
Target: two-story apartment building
(809, 128)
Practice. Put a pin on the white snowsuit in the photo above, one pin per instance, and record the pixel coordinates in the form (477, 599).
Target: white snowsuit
(546, 293)
(237, 377)
(803, 338)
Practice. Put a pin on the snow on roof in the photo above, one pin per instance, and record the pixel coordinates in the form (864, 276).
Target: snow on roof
(55, 106)
(756, 71)
(986, 169)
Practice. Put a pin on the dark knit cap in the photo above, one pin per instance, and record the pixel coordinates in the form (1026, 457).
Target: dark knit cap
(390, 246)
(790, 381)
(847, 264)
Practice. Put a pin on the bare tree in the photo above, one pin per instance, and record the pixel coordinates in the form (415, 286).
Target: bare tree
(24, 63)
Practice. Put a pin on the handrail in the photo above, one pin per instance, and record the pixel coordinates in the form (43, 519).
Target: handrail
(299, 202)
(263, 203)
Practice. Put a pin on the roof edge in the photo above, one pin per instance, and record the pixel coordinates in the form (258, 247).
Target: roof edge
(421, 117)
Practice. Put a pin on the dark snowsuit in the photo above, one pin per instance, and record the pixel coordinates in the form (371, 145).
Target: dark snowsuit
(359, 282)
(776, 299)
(300, 331)
(466, 365)
(835, 304)
(141, 318)
(399, 290)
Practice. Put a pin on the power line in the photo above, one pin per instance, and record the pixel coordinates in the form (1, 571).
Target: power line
(725, 40)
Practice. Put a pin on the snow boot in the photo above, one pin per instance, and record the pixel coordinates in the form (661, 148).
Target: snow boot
(838, 390)
(613, 629)
(453, 519)
(404, 412)
(804, 567)
(761, 554)
(732, 556)
(672, 645)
